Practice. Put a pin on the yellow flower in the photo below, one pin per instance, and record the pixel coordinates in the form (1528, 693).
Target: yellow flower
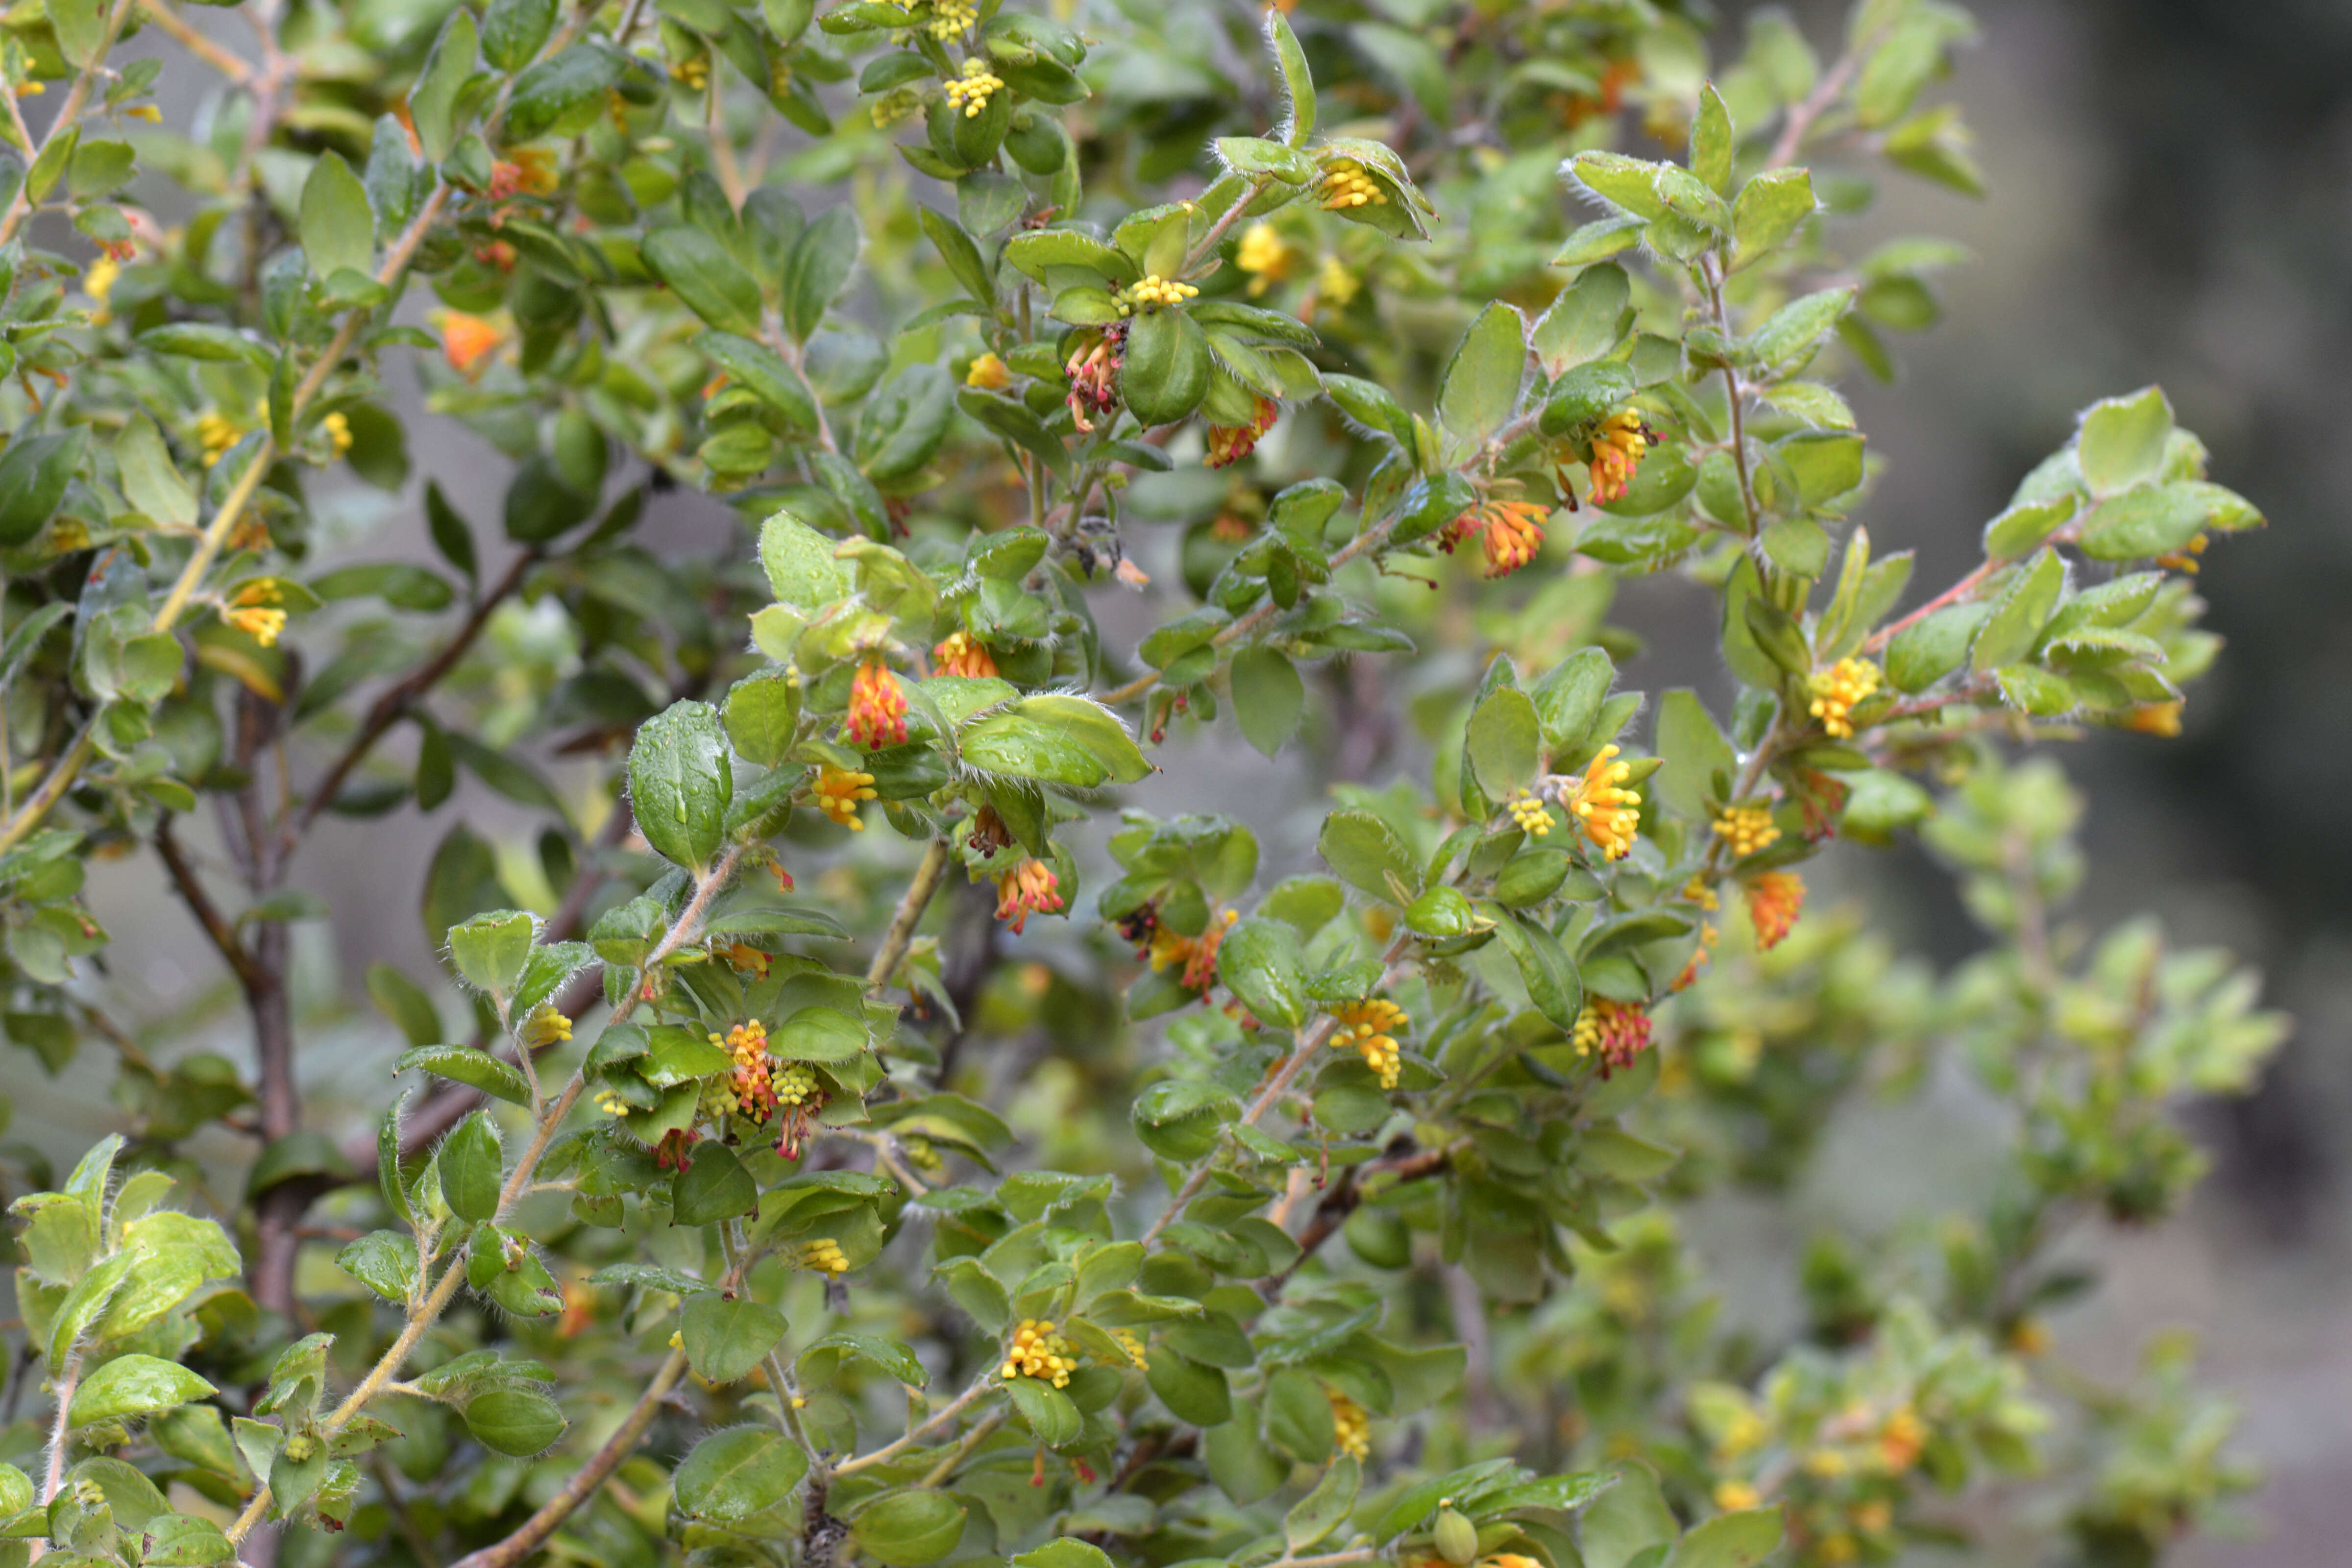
(971, 93)
(1838, 690)
(2154, 719)
(1774, 901)
(1608, 813)
(950, 18)
(545, 1026)
(1133, 1346)
(694, 74)
(1265, 255)
(251, 613)
(1157, 291)
(824, 1255)
(1351, 1429)
(1745, 829)
(98, 283)
(1528, 814)
(1901, 1440)
(1735, 1497)
(894, 106)
(1345, 184)
(2184, 560)
(1336, 284)
(1229, 444)
(1366, 1026)
(339, 433)
(989, 373)
(217, 432)
(1038, 1352)
(838, 793)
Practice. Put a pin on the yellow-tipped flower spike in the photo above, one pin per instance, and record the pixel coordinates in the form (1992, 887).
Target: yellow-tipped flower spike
(878, 708)
(1351, 1429)
(1616, 1032)
(960, 653)
(1367, 1027)
(989, 373)
(1529, 816)
(1265, 255)
(1608, 813)
(1774, 901)
(971, 92)
(950, 18)
(1038, 1352)
(1157, 291)
(824, 1256)
(1617, 451)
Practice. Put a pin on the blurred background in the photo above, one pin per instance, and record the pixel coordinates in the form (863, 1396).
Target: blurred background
(2172, 202)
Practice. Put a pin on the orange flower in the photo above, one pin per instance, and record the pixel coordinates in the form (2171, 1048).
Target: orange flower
(1608, 813)
(877, 709)
(1364, 1026)
(1774, 901)
(989, 373)
(1029, 888)
(963, 655)
(837, 794)
(1229, 444)
(468, 341)
(1838, 691)
(1616, 453)
(1511, 531)
(1198, 954)
(1616, 1032)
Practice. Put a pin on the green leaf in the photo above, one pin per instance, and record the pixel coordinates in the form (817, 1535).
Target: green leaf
(680, 783)
(2153, 519)
(1544, 966)
(2020, 614)
(514, 1421)
(1693, 750)
(713, 1187)
(338, 225)
(1626, 1521)
(472, 1162)
(738, 1472)
(2035, 690)
(432, 101)
(475, 1068)
(556, 90)
(1193, 1392)
(961, 254)
(1325, 1507)
(183, 1541)
(1480, 388)
(2122, 441)
(1164, 372)
(1926, 651)
(908, 1529)
(762, 372)
(133, 1385)
(1789, 333)
(1627, 183)
(382, 1261)
(1712, 142)
(700, 272)
(1600, 240)
(1297, 84)
(818, 268)
(34, 473)
(513, 31)
(903, 422)
(1502, 742)
(80, 29)
(2025, 525)
(802, 570)
(726, 1337)
(1585, 322)
(1769, 209)
(491, 950)
(1259, 961)
(1730, 1540)
(1268, 698)
(1367, 853)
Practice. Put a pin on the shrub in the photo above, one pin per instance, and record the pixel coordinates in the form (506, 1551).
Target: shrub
(765, 1184)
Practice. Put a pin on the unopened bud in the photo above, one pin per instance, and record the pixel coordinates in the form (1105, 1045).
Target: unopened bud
(1456, 1538)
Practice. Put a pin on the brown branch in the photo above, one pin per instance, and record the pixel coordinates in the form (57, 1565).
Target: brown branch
(587, 1479)
(215, 925)
(929, 874)
(393, 704)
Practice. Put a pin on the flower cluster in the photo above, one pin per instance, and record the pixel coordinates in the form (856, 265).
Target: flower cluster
(989, 373)
(468, 341)
(838, 794)
(217, 432)
(1617, 449)
(1529, 816)
(546, 1026)
(950, 18)
(1038, 1352)
(1345, 184)
(1616, 1032)
(1838, 690)
(877, 709)
(823, 1255)
(1229, 444)
(971, 91)
(961, 653)
(1093, 372)
(1198, 954)
(1510, 531)
(1132, 1344)
(252, 612)
(1367, 1027)
(1608, 813)
(1745, 829)
(1155, 290)
(1351, 1429)
(1029, 888)
(1265, 255)
(1774, 901)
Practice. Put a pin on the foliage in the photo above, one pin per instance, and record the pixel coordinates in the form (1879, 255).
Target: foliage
(863, 1218)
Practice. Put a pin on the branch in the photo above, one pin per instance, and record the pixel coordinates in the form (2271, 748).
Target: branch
(393, 704)
(20, 207)
(928, 876)
(1802, 117)
(170, 21)
(587, 1479)
(891, 1450)
(200, 904)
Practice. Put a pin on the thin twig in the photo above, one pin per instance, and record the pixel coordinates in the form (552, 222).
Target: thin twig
(169, 21)
(20, 206)
(929, 874)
